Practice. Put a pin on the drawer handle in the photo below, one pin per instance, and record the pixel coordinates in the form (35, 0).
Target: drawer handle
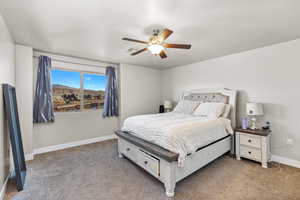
(249, 152)
(146, 162)
(249, 141)
(128, 149)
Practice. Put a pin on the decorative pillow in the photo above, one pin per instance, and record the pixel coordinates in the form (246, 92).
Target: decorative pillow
(210, 109)
(186, 106)
(226, 111)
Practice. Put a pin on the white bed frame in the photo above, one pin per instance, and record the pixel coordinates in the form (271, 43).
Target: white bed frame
(170, 173)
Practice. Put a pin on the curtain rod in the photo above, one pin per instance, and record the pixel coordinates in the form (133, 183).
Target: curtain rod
(37, 54)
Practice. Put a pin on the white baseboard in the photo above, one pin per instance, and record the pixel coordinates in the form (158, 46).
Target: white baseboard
(286, 161)
(29, 156)
(72, 144)
(3, 189)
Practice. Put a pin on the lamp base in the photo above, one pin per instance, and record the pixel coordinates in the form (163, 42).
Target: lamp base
(253, 124)
(168, 109)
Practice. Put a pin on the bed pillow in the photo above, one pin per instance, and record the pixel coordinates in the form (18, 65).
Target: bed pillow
(210, 109)
(186, 106)
(226, 111)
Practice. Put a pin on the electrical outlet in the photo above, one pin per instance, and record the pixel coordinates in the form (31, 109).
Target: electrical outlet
(289, 141)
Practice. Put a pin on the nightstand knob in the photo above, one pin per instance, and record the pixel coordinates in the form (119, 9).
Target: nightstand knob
(128, 149)
(145, 162)
(249, 141)
(249, 152)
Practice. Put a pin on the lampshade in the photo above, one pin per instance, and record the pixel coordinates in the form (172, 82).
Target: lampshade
(254, 109)
(155, 48)
(168, 104)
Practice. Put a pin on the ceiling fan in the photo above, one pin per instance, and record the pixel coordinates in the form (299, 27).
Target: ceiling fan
(156, 43)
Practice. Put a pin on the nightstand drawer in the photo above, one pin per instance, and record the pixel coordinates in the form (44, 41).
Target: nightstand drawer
(250, 152)
(250, 140)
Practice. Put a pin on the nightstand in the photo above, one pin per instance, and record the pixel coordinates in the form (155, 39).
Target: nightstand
(254, 145)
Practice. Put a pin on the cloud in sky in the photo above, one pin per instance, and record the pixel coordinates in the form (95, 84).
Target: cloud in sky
(87, 78)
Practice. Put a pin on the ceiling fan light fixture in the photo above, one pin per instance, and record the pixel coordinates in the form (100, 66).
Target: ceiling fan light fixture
(155, 48)
(156, 44)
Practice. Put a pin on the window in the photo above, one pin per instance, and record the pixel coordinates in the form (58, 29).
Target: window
(76, 91)
(93, 91)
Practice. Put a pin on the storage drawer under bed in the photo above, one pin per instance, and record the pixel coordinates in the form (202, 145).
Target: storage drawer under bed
(148, 162)
(128, 150)
(144, 159)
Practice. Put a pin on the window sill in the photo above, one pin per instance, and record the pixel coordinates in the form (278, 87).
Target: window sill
(79, 112)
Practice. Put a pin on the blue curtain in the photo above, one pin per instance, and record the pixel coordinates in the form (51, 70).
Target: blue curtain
(111, 94)
(43, 105)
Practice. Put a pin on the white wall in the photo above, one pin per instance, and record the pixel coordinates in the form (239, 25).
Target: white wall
(71, 127)
(269, 75)
(140, 90)
(7, 75)
(24, 81)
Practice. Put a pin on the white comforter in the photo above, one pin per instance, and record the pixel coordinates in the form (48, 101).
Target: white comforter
(179, 133)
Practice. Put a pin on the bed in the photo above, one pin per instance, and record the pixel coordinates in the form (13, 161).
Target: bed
(171, 146)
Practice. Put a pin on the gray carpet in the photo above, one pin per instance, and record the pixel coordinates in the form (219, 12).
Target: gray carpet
(93, 172)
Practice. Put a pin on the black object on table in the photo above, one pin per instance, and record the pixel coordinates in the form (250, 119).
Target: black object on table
(161, 109)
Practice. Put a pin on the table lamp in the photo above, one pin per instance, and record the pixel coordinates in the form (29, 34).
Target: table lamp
(254, 109)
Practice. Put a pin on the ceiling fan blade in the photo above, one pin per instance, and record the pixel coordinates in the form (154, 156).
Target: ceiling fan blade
(163, 35)
(133, 40)
(163, 54)
(139, 51)
(178, 46)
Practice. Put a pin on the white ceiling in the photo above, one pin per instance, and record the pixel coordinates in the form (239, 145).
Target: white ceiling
(94, 28)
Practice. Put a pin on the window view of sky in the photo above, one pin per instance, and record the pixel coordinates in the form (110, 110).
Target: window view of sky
(94, 82)
(72, 79)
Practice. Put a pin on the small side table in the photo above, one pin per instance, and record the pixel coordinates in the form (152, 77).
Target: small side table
(254, 145)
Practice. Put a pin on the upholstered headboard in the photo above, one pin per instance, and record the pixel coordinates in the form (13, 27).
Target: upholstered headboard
(222, 95)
